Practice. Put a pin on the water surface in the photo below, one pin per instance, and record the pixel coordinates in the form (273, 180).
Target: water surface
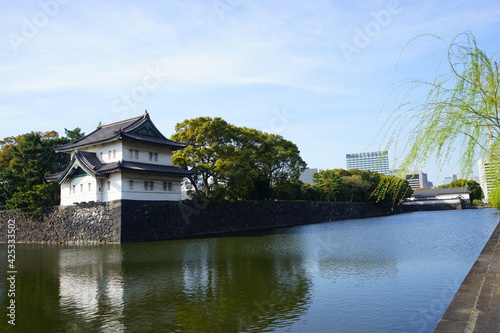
(388, 274)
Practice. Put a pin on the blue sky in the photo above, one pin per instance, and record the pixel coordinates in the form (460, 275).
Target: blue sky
(316, 72)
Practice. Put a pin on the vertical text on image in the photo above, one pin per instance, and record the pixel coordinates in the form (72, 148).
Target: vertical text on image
(11, 272)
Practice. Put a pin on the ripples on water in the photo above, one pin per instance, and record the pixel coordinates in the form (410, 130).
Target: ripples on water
(390, 274)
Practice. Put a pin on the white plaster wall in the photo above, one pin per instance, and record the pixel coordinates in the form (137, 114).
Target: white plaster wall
(139, 193)
(464, 196)
(78, 190)
(114, 147)
(164, 154)
(113, 191)
(430, 202)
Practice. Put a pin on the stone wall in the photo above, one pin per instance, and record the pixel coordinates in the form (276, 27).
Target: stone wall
(434, 206)
(147, 221)
(138, 221)
(81, 224)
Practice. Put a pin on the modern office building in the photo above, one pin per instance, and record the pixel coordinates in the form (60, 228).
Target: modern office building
(486, 177)
(417, 179)
(374, 161)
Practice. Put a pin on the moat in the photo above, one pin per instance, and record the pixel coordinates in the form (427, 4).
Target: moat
(387, 274)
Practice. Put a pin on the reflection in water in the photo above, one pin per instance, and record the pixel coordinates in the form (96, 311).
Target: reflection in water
(369, 275)
(90, 284)
(218, 285)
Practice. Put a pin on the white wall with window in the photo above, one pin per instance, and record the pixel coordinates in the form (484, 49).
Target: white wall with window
(107, 153)
(150, 187)
(79, 189)
(110, 188)
(147, 154)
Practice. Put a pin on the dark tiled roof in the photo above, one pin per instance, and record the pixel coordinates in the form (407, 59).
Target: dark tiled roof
(440, 191)
(125, 129)
(89, 159)
(91, 164)
(53, 177)
(145, 167)
(151, 139)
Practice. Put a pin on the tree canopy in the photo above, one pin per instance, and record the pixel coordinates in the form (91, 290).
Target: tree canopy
(355, 185)
(231, 162)
(460, 111)
(24, 161)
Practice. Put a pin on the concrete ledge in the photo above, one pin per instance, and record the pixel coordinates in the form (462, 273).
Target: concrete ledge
(475, 308)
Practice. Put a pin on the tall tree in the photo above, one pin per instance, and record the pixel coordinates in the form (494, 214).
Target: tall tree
(459, 113)
(24, 161)
(24, 183)
(351, 185)
(233, 162)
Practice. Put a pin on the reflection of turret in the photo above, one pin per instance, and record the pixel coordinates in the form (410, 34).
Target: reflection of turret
(223, 284)
(90, 285)
(233, 284)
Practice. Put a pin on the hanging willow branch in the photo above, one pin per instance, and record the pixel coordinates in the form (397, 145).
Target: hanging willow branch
(459, 113)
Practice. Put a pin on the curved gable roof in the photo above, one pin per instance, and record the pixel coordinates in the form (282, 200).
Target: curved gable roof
(136, 129)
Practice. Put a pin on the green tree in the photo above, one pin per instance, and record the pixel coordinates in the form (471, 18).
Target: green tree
(23, 180)
(351, 185)
(460, 111)
(24, 161)
(329, 184)
(476, 193)
(233, 162)
(74, 134)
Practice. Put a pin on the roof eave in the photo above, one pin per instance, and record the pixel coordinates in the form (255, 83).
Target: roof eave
(71, 149)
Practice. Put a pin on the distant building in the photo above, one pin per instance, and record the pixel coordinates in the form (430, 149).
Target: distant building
(307, 175)
(417, 179)
(447, 180)
(370, 161)
(441, 198)
(486, 178)
(129, 160)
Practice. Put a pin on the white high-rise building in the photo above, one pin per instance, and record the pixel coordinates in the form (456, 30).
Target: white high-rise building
(486, 178)
(370, 161)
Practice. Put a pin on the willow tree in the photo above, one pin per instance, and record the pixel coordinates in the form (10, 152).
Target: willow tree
(459, 112)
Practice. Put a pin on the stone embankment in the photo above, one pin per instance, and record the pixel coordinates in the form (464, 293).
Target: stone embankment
(138, 221)
(475, 308)
(80, 224)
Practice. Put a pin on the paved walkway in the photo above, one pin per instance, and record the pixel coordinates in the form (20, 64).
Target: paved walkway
(476, 305)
